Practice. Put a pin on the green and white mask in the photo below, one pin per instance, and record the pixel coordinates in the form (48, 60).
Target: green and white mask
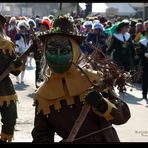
(58, 53)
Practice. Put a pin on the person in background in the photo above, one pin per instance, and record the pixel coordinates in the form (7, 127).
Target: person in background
(22, 42)
(108, 24)
(96, 38)
(103, 21)
(12, 29)
(44, 26)
(51, 17)
(8, 97)
(37, 21)
(122, 47)
(132, 29)
(143, 54)
(32, 35)
(140, 20)
(88, 26)
(139, 32)
(7, 23)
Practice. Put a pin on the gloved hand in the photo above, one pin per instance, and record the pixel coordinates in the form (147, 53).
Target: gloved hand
(93, 98)
(17, 62)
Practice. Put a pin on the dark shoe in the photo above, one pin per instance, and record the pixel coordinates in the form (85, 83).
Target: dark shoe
(144, 96)
(121, 90)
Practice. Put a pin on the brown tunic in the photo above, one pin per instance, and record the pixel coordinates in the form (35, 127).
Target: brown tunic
(52, 117)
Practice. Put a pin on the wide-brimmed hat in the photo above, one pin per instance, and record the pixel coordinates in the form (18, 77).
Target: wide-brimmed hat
(62, 26)
(122, 24)
(2, 19)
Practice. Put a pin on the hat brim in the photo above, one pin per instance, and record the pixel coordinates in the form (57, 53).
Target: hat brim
(77, 38)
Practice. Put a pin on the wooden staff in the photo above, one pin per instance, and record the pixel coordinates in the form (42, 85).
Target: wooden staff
(78, 123)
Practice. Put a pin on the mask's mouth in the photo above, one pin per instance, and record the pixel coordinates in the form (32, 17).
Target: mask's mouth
(56, 64)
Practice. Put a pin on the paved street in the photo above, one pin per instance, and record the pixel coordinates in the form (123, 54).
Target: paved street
(135, 130)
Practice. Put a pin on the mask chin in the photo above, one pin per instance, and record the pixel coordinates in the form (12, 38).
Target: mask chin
(60, 69)
(59, 64)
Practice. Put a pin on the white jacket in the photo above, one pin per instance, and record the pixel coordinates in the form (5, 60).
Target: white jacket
(21, 45)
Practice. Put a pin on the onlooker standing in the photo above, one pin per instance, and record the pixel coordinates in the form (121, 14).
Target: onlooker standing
(12, 29)
(32, 31)
(44, 26)
(22, 44)
(122, 47)
(143, 53)
(96, 38)
(139, 32)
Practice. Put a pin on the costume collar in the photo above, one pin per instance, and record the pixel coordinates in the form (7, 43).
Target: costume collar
(119, 36)
(76, 83)
(144, 42)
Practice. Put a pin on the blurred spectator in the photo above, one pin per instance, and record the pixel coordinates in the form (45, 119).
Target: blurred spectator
(22, 44)
(108, 24)
(143, 53)
(140, 20)
(45, 25)
(88, 26)
(7, 23)
(139, 32)
(38, 22)
(32, 30)
(12, 29)
(132, 29)
(103, 21)
(122, 47)
(51, 18)
(96, 38)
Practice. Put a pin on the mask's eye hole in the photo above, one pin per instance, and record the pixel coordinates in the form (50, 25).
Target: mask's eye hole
(65, 51)
(52, 51)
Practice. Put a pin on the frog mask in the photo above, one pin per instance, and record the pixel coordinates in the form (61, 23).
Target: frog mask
(58, 53)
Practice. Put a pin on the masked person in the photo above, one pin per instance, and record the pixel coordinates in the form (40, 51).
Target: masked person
(8, 97)
(60, 99)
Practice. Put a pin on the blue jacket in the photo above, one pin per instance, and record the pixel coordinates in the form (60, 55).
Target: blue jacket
(96, 39)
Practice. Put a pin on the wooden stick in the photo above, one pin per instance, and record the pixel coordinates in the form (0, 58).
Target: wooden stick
(78, 123)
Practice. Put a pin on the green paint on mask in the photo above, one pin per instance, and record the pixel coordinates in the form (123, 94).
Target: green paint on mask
(58, 56)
